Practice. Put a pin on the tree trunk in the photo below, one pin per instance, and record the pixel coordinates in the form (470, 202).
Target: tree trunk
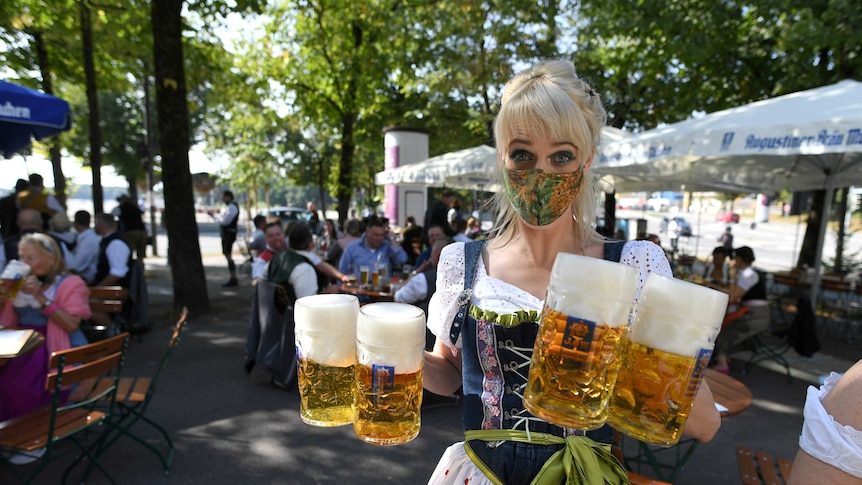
(345, 168)
(184, 252)
(93, 106)
(54, 145)
(321, 190)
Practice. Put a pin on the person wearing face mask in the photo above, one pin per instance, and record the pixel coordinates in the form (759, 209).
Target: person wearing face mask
(491, 292)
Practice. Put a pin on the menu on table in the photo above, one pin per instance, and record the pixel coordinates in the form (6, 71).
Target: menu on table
(16, 342)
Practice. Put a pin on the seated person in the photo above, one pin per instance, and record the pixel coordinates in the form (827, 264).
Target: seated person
(716, 272)
(115, 256)
(418, 289)
(746, 288)
(293, 272)
(831, 440)
(275, 243)
(374, 247)
(435, 232)
(52, 302)
(257, 242)
(301, 241)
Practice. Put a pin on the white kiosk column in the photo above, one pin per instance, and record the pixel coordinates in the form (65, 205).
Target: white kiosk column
(403, 146)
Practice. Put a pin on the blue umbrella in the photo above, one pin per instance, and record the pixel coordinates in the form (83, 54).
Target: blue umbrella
(26, 115)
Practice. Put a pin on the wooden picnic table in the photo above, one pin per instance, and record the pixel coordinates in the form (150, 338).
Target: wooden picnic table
(728, 392)
(373, 295)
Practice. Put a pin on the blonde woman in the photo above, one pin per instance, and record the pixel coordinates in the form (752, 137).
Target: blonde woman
(490, 293)
(52, 302)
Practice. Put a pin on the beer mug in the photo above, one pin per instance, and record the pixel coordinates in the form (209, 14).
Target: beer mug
(325, 356)
(364, 276)
(375, 276)
(664, 358)
(575, 358)
(390, 345)
(12, 279)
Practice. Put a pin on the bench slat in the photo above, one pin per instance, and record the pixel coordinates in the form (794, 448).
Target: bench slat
(747, 466)
(767, 469)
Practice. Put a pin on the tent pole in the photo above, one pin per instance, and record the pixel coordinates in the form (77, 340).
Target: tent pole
(821, 236)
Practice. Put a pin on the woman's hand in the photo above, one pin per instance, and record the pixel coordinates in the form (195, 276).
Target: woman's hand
(32, 286)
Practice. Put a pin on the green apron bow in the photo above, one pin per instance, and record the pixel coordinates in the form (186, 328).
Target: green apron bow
(581, 462)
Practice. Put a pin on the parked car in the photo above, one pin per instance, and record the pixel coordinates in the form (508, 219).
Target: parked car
(684, 225)
(286, 214)
(727, 216)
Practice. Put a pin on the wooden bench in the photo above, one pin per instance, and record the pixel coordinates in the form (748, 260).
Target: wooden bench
(133, 396)
(44, 428)
(107, 300)
(760, 468)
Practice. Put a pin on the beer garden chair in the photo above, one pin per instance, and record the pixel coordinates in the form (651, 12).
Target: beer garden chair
(133, 397)
(47, 427)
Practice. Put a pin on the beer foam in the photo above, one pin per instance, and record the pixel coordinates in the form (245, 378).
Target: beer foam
(326, 328)
(336, 312)
(391, 334)
(15, 270)
(390, 325)
(677, 316)
(594, 289)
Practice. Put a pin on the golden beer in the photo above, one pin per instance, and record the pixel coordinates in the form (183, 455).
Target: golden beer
(387, 405)
(390, 345)
(363, 275)
(575, 365)
(664, 358)
(325, 356)
(654, 392)
(326, 393)
(12, 279)
(375, 278)
(575, 360)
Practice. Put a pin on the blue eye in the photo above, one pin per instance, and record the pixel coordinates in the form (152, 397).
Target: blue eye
(562, 158)
(520, 156)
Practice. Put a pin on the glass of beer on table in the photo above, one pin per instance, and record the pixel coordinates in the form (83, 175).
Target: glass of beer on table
(325, 357)
(12, 279)
(664, 358)
(575, 358)
(390, 345)
(364, 275)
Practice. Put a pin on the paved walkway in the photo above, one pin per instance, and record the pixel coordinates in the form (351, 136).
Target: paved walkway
(231, 428)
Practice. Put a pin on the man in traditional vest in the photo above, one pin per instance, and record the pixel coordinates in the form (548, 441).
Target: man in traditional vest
(228, 224)
(36, 198)
(115, 257)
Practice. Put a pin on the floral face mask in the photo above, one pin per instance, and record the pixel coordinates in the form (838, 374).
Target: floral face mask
(541, 197)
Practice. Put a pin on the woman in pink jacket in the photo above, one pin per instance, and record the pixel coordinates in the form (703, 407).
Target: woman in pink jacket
(53, 302)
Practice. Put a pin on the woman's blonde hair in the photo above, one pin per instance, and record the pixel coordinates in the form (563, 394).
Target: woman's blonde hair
(550, 98)
(46, 245)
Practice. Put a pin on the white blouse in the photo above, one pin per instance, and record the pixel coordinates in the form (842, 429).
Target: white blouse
(501, 297)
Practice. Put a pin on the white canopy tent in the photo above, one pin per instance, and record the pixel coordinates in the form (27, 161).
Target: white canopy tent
(808, 140)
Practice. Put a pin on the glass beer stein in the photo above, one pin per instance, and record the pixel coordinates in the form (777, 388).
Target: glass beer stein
(325, 357)
(575, 359)
(664, 358)
(12, 279)
(390, 345)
